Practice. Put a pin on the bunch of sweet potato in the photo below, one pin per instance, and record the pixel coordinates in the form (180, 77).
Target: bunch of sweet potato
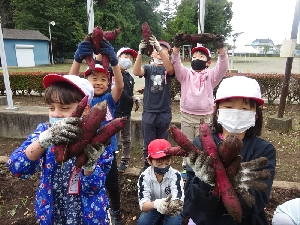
(89, 124)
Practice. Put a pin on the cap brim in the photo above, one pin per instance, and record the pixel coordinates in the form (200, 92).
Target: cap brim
(258, 100)
(52, 78)
(166, 44)
(200, 48)
(97, 69)
(158, 156)
(131, 51)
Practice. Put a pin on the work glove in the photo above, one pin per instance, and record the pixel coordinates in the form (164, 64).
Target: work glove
(178, 40)
(248, 177)
(84, 48)
(175, 207)
(155, 43)
(93, 155)
(63, 131)
(142, 47)
(161, 205)
(201, 165)
(219, 42)
(108, 50)
(137, 103)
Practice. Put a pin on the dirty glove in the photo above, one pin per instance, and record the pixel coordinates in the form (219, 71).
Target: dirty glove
(161, 205)
(93, 155)
(175, 207)
(107, 49)
(155, 43)
(201, 165)
(142, 47)
(178, 40)
(248, 177)
(219, 42)
(137, 103)
(84, 48)
(63, 131)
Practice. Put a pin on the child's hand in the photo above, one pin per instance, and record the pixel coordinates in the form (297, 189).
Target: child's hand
(93, 155)
(84, 48)
(201, 165)
(107, 49)
(175, 207)
(179, 41)
(155, 43)
(219, 42)
(161, 205)
(142, 47)
(248, 177)
(63, 131)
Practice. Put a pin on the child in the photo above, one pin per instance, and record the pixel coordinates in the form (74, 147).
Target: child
(197, 85)
(99, 78)
(157, 109)
(287, 213)
(126, 57)
(156, 183)
(238, 110)
(65, 195)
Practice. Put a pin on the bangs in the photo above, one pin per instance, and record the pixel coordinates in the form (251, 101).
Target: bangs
(62, 93)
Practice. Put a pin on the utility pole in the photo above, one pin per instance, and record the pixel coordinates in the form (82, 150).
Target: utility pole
(289, 63)
(233, 47)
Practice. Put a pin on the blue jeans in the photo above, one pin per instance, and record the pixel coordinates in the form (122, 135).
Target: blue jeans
(153, 217)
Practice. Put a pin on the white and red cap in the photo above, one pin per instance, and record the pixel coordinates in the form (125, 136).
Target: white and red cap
(203, 49)
(156, 148)
(127, 50)
(82, 84)
(239, 87)
(98, 68)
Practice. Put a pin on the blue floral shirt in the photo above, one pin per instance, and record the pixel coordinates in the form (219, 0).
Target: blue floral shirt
(54, 205)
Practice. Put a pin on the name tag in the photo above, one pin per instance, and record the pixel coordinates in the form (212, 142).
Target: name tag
(74, 182)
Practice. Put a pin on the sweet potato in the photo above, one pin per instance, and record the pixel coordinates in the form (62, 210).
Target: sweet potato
(182, 140)
(230, 149)
(111, 34)
(229, 197)
(146, 33)
(202, 38)
(95, 37)
(60, 151)
(176, 151)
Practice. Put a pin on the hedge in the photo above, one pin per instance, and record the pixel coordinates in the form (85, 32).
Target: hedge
(271, 84)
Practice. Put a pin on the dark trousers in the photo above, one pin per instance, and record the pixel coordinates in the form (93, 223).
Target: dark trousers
(112, 185)
(154, 125)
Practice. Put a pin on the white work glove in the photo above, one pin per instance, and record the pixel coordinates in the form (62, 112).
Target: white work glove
(201, 165)
(155, 43)
(161, 205)
(175, 207)
(142, 47)
(63, 131)
(137, 101)
(93, 155)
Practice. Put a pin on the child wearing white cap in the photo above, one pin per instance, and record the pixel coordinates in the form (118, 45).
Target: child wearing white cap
(65, 194)
(197, 85)
(237, 111)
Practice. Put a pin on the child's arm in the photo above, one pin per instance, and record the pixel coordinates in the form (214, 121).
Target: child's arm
(137, 68)
(180, 70)
(84, 48)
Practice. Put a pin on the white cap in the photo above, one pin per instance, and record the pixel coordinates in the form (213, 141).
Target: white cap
(239, 86)
(82, 84)
(128, 50)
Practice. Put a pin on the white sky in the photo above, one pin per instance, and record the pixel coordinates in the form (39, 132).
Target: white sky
(260, 19)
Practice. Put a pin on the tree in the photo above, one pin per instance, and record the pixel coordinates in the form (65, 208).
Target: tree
(266, 49)
(6, 15)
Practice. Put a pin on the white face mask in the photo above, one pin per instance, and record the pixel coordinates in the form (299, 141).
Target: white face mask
(236, 121)
(52, 120)
(125, 63)
(158, 61)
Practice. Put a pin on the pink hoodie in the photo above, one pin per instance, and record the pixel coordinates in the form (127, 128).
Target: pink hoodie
(197, 87)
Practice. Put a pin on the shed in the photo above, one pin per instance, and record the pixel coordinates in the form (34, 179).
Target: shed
(25, 48)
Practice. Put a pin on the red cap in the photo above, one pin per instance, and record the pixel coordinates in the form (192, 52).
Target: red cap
(98, 68)
(203, 49)
(127, 50)
(156, 148)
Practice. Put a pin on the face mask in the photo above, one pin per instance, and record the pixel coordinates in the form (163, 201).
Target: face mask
(236, 121)
(198, 64)
(125, 63)
(52, 120)
(158, 61)
(161, 171)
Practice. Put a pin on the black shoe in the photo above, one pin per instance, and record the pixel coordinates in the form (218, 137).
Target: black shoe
(123, 165)
(115, 217)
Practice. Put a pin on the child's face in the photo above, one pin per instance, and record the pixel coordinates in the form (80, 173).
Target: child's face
(58, 110)
(164, 50)
(126, 56)
(160, 163)
(199, 55)
(100, 81)
(236, 103)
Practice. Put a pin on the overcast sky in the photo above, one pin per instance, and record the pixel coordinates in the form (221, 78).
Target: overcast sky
(260, 19)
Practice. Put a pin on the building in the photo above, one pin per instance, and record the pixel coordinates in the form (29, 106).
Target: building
(259, 44)
(25, 48)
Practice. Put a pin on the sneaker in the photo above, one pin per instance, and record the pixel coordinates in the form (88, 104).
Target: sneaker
(123, 165)
(115, 217)
(183, 173)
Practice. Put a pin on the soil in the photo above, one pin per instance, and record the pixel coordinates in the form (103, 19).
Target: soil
(17, 196)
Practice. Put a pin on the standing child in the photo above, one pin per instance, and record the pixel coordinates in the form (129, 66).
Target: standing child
(157, 108)
(238, 111)
(99, 78)
(160, 188)
(57, 201)
(126, 57)
(197, 85)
